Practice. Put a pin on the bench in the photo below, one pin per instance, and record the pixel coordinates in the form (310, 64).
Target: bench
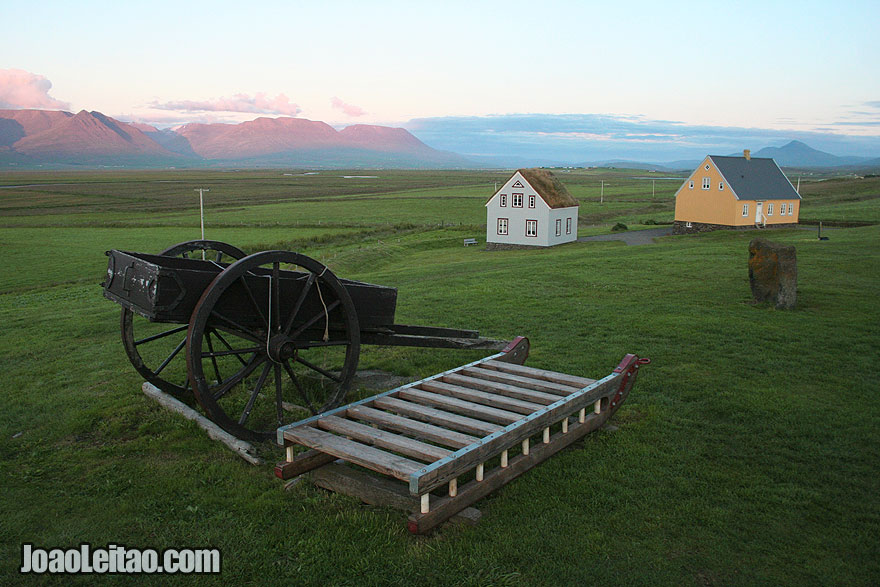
(470, 241)
(455, 437)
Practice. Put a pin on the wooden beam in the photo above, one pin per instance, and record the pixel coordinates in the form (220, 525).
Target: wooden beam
(413, 427)
(466, 408)
(529, 395)
(438, 417)
(520, 381)
(302, 463)
(563, 378)
(481, 397)
(387, 440)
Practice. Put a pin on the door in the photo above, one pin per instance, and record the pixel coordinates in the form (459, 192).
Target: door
(759, 212)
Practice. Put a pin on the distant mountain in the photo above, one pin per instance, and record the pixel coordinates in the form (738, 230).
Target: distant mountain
(91, 138)
(798, 154)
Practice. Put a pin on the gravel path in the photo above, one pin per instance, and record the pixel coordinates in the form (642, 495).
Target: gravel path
(631, 237)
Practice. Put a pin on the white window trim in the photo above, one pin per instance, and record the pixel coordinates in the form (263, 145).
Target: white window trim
(770, 209)
(531, 201)
(707, 183)
(513, 200)
(503, 223)
(559, 227)
(691, 185)
(745, 209)
(533, 224)
(568, 226)
(790, 209)
(720, 186)
(503, 202)
(688, 224)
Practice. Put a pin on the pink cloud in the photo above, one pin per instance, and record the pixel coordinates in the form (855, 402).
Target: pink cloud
(348, 109)
(22, 89)
(259, 103)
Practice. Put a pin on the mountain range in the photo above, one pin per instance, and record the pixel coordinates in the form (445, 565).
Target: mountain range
(30, 138)
(41, 137)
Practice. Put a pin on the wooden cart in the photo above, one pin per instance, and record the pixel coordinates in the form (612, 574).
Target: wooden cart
(264, 335)
(455, 437)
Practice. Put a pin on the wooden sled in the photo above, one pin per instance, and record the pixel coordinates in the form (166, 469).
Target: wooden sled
(457, 436)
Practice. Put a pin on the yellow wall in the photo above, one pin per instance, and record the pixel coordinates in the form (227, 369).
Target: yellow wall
(714, 206)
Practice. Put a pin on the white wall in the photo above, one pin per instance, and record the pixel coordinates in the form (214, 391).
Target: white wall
(516, 217)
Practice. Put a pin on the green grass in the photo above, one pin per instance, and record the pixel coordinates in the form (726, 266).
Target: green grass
(746, 454)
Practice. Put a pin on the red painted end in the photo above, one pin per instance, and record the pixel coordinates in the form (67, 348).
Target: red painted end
(625, 363)
(279, 471)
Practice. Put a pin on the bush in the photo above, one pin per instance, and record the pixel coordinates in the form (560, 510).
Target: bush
(619, 226)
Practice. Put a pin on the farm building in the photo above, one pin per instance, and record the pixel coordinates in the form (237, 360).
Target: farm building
(735, 192)
(532, 208)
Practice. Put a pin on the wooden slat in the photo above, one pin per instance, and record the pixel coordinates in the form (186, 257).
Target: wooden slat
(438, 417)
(445, 470)
(481, 397)
(529, 395)
(302, 463)
(563, 378)
(460, 406)
(407, 426)
(355, 452)
(520, 381)
(406, 446)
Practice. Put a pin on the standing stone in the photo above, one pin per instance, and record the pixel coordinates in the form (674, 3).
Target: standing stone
(773, 273)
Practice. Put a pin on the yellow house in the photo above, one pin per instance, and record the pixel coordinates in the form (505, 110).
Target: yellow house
(735, 193)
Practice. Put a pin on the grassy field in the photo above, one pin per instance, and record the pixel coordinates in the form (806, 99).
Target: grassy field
(747, 452)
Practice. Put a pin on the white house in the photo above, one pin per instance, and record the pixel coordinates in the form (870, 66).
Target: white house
(532, 208)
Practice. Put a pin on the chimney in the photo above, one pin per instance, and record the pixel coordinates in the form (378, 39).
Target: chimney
(747, 154)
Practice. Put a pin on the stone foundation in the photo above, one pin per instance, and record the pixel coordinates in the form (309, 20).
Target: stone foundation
(509, 247)
(680, 227)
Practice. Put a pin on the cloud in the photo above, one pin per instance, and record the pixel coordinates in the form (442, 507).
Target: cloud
(578, 138)
(259, 103)
(348, 109)
(22, 89)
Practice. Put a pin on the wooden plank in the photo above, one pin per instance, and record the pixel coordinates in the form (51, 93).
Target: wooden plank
(387, 440)
(468, 458)
(354, 452)
(481, 397)
(563, 378)
(303, 463)
(460, 406)
(444, 507)
(520, 381)
(407, 426)
(529, 395)
(376, 490)
(437, 417)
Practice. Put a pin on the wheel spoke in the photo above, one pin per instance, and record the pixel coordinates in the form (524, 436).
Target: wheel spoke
(231, 351)
(161, 335)
(302, 392)
(254, 394)
(323, 372)
(171, 356)
(239, 329)
(310, 344)
(299, 302)
(315, 318)
(255, 362)
(213, 357)
(228, 346)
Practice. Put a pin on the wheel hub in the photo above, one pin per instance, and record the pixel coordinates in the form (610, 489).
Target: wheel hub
(281, 348)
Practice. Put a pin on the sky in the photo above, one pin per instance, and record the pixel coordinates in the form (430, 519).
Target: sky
(655, 69)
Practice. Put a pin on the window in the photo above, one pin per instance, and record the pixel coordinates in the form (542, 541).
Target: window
(770, 209)
(707, 183)
(568, 226)
(531, 228)
(782, 209)
(502, 226)
(688, 225)
(531, 201)
(720, 186)
(691, 185)
(504, 200)
(790, 209)
(517, 200)
(707, 167)
(745, 209)
(559, 227)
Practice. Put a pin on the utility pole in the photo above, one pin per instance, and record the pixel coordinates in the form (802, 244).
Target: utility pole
(202, 213)
(652, 189)
(602, 192)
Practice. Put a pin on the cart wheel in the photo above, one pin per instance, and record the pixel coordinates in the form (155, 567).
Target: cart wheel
(291, 342)
(155, 348)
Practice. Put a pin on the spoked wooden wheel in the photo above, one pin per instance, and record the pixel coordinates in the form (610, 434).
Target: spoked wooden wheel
(155, 349)
(291, 343)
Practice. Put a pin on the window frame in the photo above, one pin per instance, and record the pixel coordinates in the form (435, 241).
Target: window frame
(505, 222)
(769, 208)
(503, 201)
(513, 200)
(568, 225)
(791, 208)
(745, 209)
(531, 201)
(559, 227)
(691, 185)
(707, 183)
(533, 224)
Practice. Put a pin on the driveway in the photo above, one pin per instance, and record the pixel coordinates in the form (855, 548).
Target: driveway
(631, 237)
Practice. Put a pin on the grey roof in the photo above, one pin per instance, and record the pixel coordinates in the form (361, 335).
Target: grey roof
(758, 178)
